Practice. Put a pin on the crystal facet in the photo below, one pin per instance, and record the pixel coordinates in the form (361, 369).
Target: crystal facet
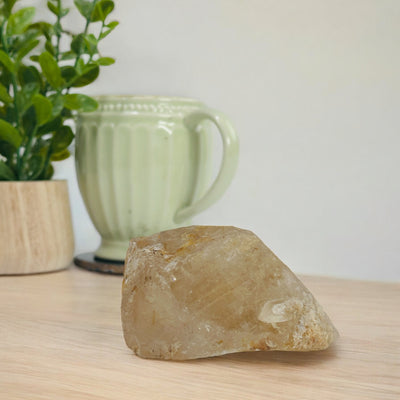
(204, 291)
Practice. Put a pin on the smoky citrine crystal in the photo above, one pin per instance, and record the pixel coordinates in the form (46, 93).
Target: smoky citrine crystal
(204, 291)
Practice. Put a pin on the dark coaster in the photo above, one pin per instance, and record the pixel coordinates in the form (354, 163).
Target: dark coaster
(92, 263)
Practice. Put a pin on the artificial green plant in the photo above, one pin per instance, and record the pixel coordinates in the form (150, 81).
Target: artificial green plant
(41, 64)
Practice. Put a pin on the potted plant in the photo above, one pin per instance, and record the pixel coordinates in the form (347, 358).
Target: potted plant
(41, 66)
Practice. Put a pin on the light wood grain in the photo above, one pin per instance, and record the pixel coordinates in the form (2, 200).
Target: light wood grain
(35, 227)
(61, 338)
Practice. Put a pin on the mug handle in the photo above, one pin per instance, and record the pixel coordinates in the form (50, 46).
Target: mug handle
(228, 165)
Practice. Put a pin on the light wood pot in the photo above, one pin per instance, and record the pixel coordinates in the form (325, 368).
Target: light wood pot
(35, 227)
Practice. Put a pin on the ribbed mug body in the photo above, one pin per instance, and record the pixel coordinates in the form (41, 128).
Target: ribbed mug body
(137, 165)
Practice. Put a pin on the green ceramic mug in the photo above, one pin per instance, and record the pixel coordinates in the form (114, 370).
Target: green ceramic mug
(144, 165)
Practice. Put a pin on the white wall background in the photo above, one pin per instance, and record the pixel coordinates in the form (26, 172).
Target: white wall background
(313, 89)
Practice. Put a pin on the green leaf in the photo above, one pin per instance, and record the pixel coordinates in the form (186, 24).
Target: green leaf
(46, 175)
(41, 146)
(10, 134)
(6, 173)
(19, 21)
(89, 74)
(105, 61)
(68, 55)
(62, 155)
(52, 7)
(29, 121)
(5, 77)
(84, 44)
(25, 95)
(44, 27)
(6, 61)
(84, 7)
(68, 73)
(64, 12)
(34, 166)
(43, 108)
(111, 26)
(8, 5)
(50, 48)
(66, 113)
(6, 149)
(58, 103)
(29, 75)
(62, 139)
(77, 44)
(80, 66)
(30, 89)
(27, 48)
(4, 96)
(80, 102)
(50, 126)
(51, 70)
(90, 44)
(10, 114)
(101, 10)
(104, 34)
(17, 42)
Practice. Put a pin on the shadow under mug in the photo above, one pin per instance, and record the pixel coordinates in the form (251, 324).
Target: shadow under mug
(144, 165)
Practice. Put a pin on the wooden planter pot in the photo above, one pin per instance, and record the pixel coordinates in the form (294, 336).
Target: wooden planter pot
(35, 227)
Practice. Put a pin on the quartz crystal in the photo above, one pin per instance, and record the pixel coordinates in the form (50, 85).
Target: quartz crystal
(204, 291)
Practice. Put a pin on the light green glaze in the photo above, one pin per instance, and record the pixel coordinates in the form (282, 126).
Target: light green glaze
(144, 165)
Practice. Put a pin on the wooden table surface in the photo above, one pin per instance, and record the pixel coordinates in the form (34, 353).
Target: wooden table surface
(61, 338)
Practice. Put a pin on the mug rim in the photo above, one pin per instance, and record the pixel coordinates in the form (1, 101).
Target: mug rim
(138, 97)
(135, 104)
